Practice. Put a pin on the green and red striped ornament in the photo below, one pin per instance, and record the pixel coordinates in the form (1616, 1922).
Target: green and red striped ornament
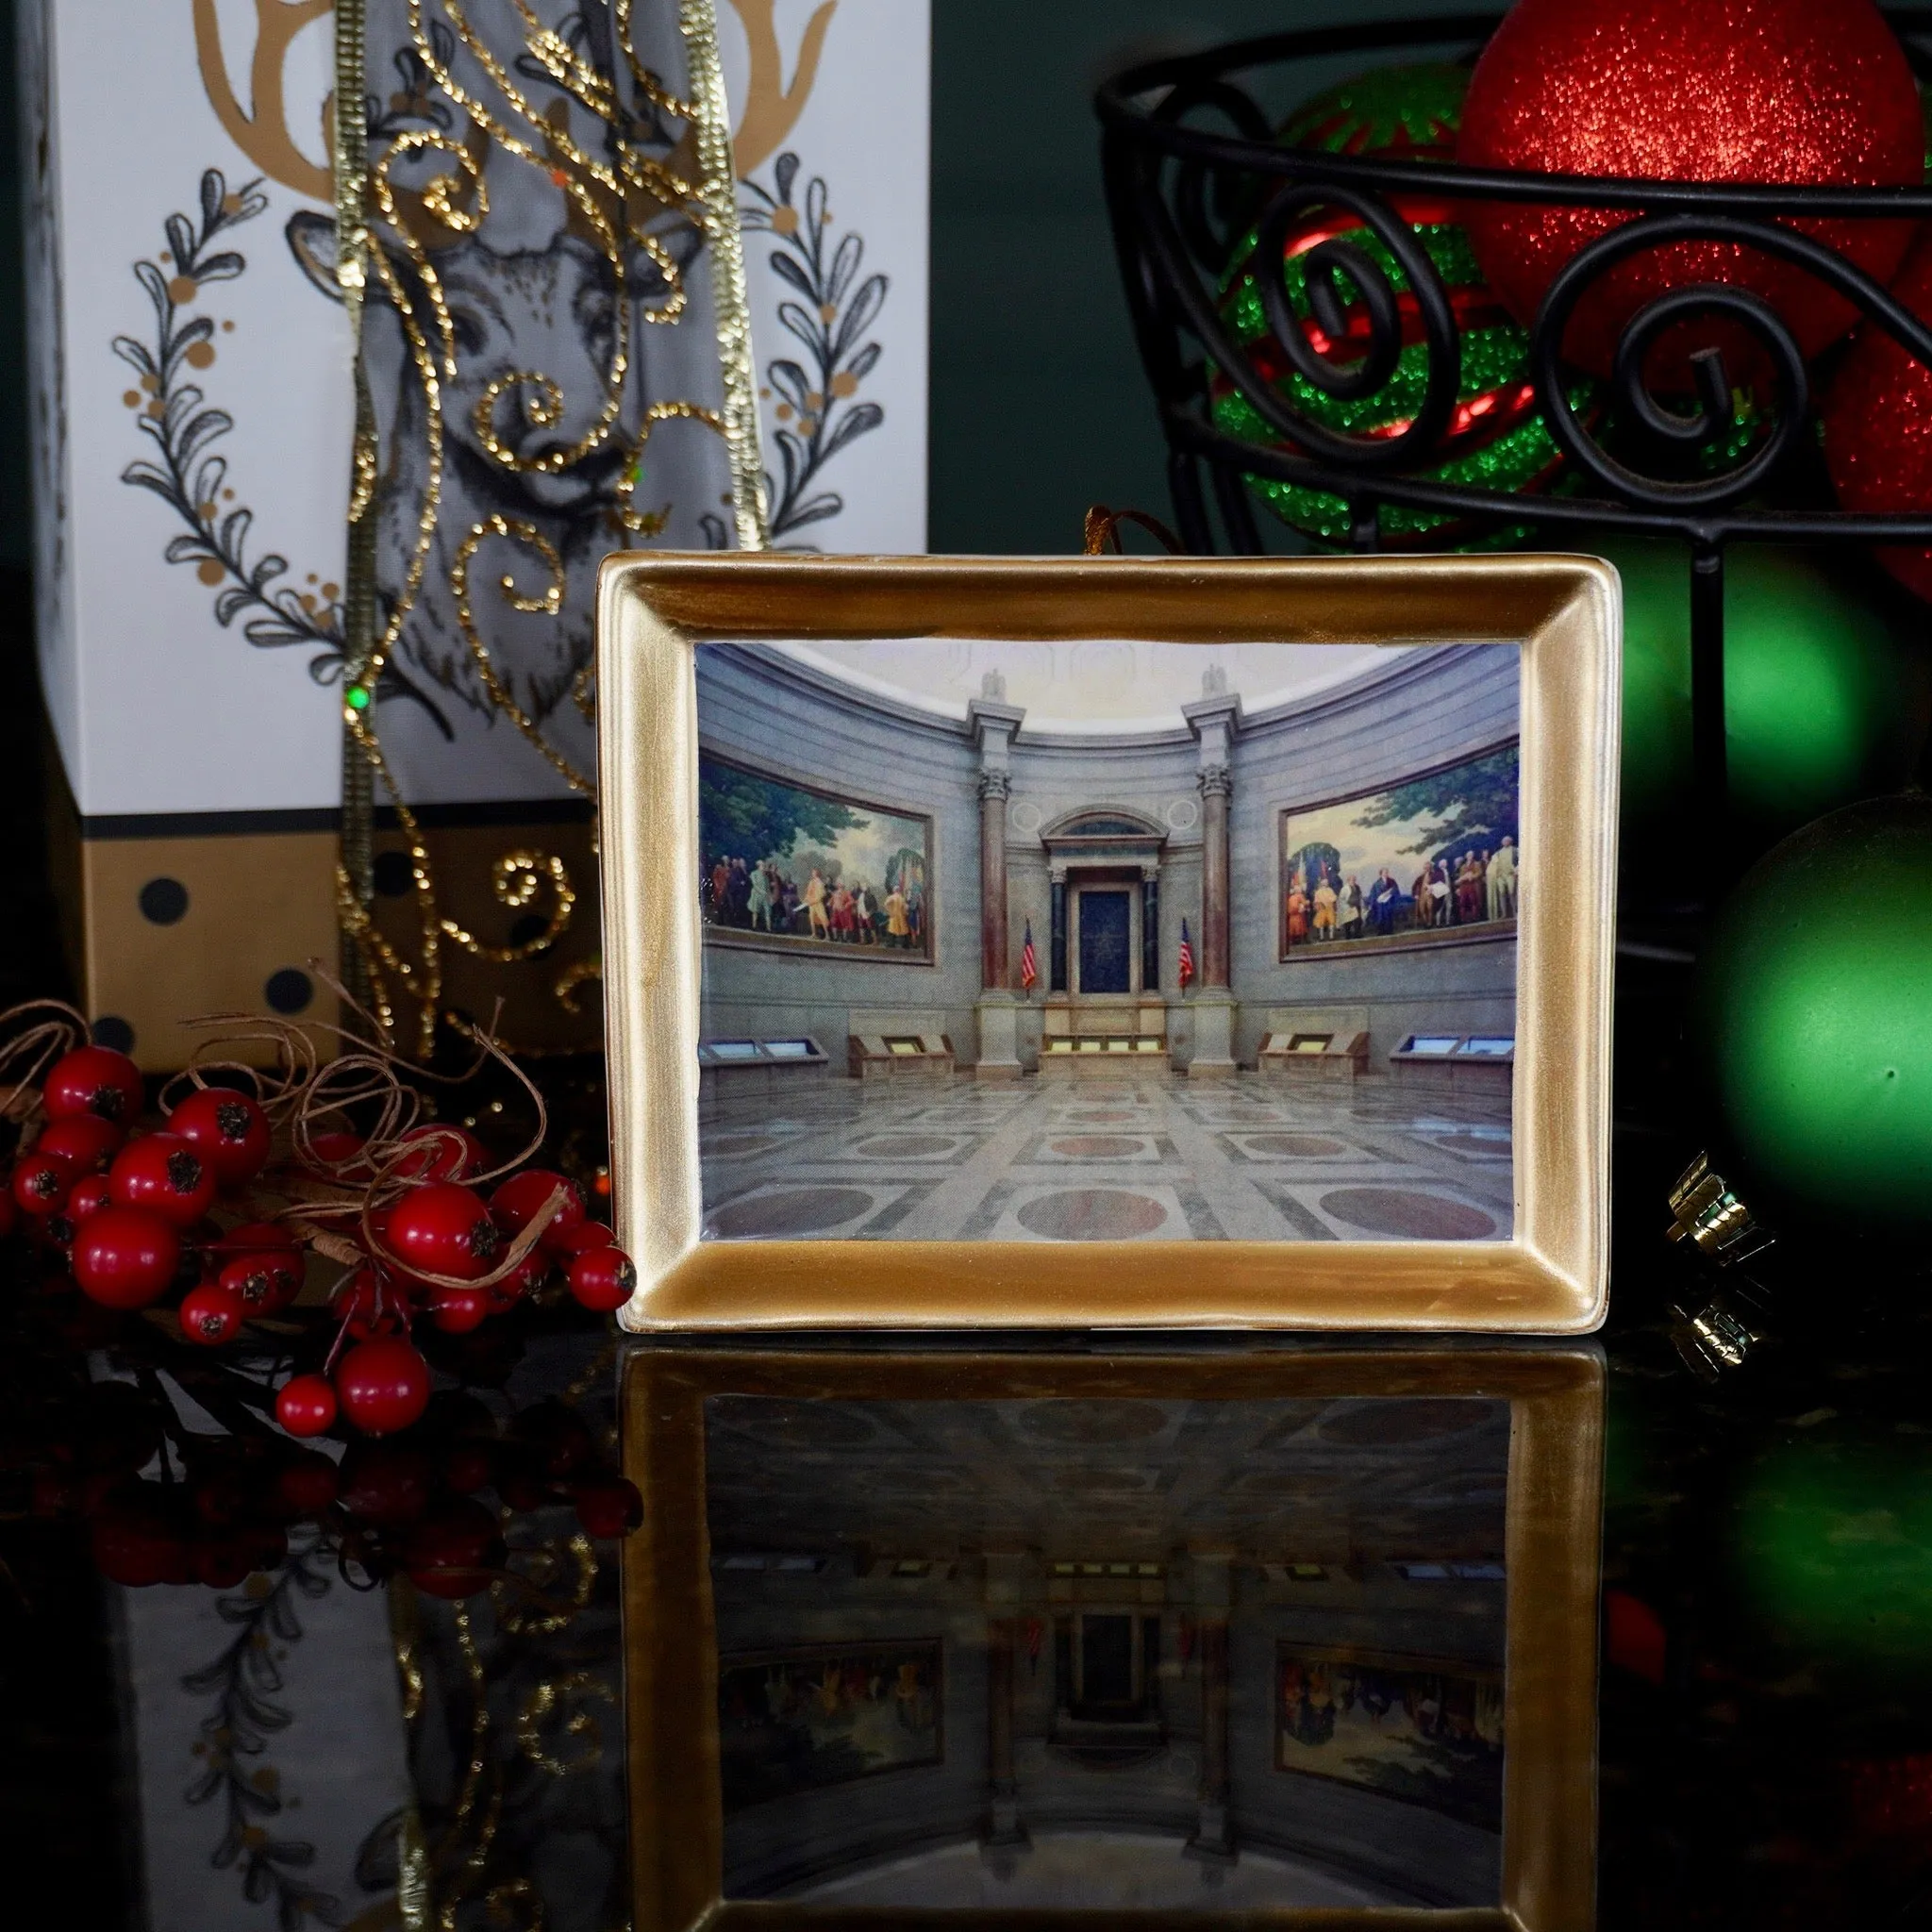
(1496, 441)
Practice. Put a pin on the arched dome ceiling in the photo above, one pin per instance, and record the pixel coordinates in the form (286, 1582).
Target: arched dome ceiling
(1099, 685)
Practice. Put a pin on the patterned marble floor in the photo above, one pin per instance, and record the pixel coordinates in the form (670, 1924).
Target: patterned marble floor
(1149, 1158)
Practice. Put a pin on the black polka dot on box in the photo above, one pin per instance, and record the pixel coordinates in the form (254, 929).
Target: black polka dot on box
(288, 991)
(163, 901)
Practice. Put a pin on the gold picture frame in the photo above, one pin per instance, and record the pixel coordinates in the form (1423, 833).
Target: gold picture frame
(1552, 1516)
(1548, 1277)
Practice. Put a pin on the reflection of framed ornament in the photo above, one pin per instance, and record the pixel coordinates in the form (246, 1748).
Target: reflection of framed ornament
(709, 1555)
(842, 1212)
(1422, 1730)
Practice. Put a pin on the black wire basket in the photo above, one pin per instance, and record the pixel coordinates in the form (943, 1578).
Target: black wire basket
(1192, 168)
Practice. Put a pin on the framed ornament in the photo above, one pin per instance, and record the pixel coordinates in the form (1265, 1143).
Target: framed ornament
(1114, 940)
(1029, 1640)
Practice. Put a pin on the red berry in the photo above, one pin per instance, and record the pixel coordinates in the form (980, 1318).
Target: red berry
(467, 1467)
(367, 1307)
(94, 1079)
(229, 1129)
(519, 1199)
(263, 1283)
(305, 1405)
(126, 1257)
(84, 1140)
(210, 1315)
(443, 1230)
(307, 1483)
(578, 1240)
(448, 1154)
(334, 1151)
(457, 1310)
(41, 1185)
(90, 1194)
(166, 1174)
(387, 1483)
(601, 1278)
(530, 1272)
(224, 1561)
(610, 1507)
(383, 1385)
(456, 1550)
(139, 1538)
(453, 1551)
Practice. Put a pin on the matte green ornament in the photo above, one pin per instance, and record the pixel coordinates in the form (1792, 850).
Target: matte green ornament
(1814, 1006)
(1825, 699)
(1834, 1548)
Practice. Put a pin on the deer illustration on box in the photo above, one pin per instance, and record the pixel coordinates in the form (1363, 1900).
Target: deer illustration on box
(549, 260)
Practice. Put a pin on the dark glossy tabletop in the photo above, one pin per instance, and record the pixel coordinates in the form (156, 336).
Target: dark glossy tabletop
(1189, 1628)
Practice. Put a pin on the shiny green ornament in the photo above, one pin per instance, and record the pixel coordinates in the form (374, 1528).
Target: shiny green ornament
(356, 697)
(1497, 441)
(1814, 1008)
(1825, 699)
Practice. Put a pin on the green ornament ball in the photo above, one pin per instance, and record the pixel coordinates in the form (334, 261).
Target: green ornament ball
(1814, 1006)
(1825, 696)
(1497, 441)
(1834, 1551)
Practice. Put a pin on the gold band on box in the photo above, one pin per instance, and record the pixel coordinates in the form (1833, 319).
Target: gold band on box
(373, 229)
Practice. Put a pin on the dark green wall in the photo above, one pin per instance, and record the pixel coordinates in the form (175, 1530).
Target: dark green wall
(1038, 405)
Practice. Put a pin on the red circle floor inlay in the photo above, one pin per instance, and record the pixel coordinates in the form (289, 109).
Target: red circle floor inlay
(1091, 1214)
(1408, 1216)
(788, 1211)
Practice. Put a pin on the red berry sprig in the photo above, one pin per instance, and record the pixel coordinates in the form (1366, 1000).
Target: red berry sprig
(222, 1212)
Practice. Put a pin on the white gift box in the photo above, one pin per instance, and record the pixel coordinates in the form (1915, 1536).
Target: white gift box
(193, 409)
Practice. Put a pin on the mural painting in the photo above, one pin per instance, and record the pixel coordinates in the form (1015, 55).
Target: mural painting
(1414, 1728)
(784, 866)
(796, 1721)
(1436, 860)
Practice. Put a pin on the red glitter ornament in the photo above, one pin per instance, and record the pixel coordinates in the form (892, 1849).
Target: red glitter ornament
(1876, 420)
(1815, 91)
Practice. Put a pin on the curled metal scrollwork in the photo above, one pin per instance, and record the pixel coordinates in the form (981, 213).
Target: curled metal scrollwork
(1184, 195)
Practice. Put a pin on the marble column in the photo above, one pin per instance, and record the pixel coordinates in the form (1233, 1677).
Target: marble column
(1056, 950)
(1149, 928)
(996, 788)
(994, 724)
(1214, 1827)
(1215, 721)
(1217, 787)
(1004, 1581)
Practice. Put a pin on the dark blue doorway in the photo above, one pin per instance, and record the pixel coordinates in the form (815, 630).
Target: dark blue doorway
(1104, 942)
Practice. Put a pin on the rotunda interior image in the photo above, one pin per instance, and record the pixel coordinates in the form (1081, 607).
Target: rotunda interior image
(1108, 940)
(1178, 1653)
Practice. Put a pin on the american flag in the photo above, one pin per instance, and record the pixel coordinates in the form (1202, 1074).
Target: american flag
(1187, 973)
(1029, 966)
